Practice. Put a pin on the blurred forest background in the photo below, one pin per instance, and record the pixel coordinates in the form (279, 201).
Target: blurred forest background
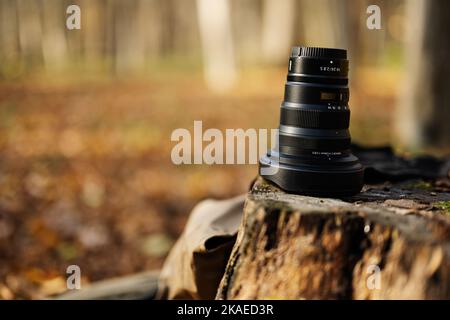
(86, 115)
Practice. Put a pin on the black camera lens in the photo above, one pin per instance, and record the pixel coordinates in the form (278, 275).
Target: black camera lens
(313, 154)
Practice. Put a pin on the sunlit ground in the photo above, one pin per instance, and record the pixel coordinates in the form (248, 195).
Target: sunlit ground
(86, 176)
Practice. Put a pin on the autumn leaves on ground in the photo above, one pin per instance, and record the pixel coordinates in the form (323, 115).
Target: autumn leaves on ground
(86, 176)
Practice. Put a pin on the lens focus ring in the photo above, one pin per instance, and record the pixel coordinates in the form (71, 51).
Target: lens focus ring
(315, 119)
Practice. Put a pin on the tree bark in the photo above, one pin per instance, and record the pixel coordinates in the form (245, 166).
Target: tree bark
(386, 243)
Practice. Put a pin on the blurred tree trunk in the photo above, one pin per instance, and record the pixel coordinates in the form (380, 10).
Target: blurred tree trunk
(74, 38)
(423, 116)
(246, 22)
(373, 41)
(128, 44)
(185, 35)
(110, 33)
(217, 44)
(94, 30)
(325, 23)
(30, 32)
(9, 37)
(54, 46)
(277, 30)
(151, 26)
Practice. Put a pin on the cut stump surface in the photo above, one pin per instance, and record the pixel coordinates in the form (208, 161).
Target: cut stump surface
(392, 241)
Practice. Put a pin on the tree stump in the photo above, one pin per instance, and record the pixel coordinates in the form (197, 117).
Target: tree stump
(392, 241)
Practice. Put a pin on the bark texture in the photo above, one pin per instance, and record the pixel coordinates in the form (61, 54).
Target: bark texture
(389, 242)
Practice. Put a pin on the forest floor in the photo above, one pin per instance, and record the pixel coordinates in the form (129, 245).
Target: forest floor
(86, 176)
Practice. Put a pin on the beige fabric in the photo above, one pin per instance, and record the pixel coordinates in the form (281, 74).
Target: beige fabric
(197, 262)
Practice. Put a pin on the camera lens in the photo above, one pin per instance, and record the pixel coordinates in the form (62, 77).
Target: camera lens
(313, 154)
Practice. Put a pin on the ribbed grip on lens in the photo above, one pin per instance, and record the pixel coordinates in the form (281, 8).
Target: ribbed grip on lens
(315, 119)
(291, 142)
(314, 52)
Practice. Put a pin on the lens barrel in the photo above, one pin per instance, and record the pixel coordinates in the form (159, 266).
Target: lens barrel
(312, 155)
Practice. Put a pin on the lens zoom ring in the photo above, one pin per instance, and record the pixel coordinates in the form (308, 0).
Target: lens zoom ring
(315, 119)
